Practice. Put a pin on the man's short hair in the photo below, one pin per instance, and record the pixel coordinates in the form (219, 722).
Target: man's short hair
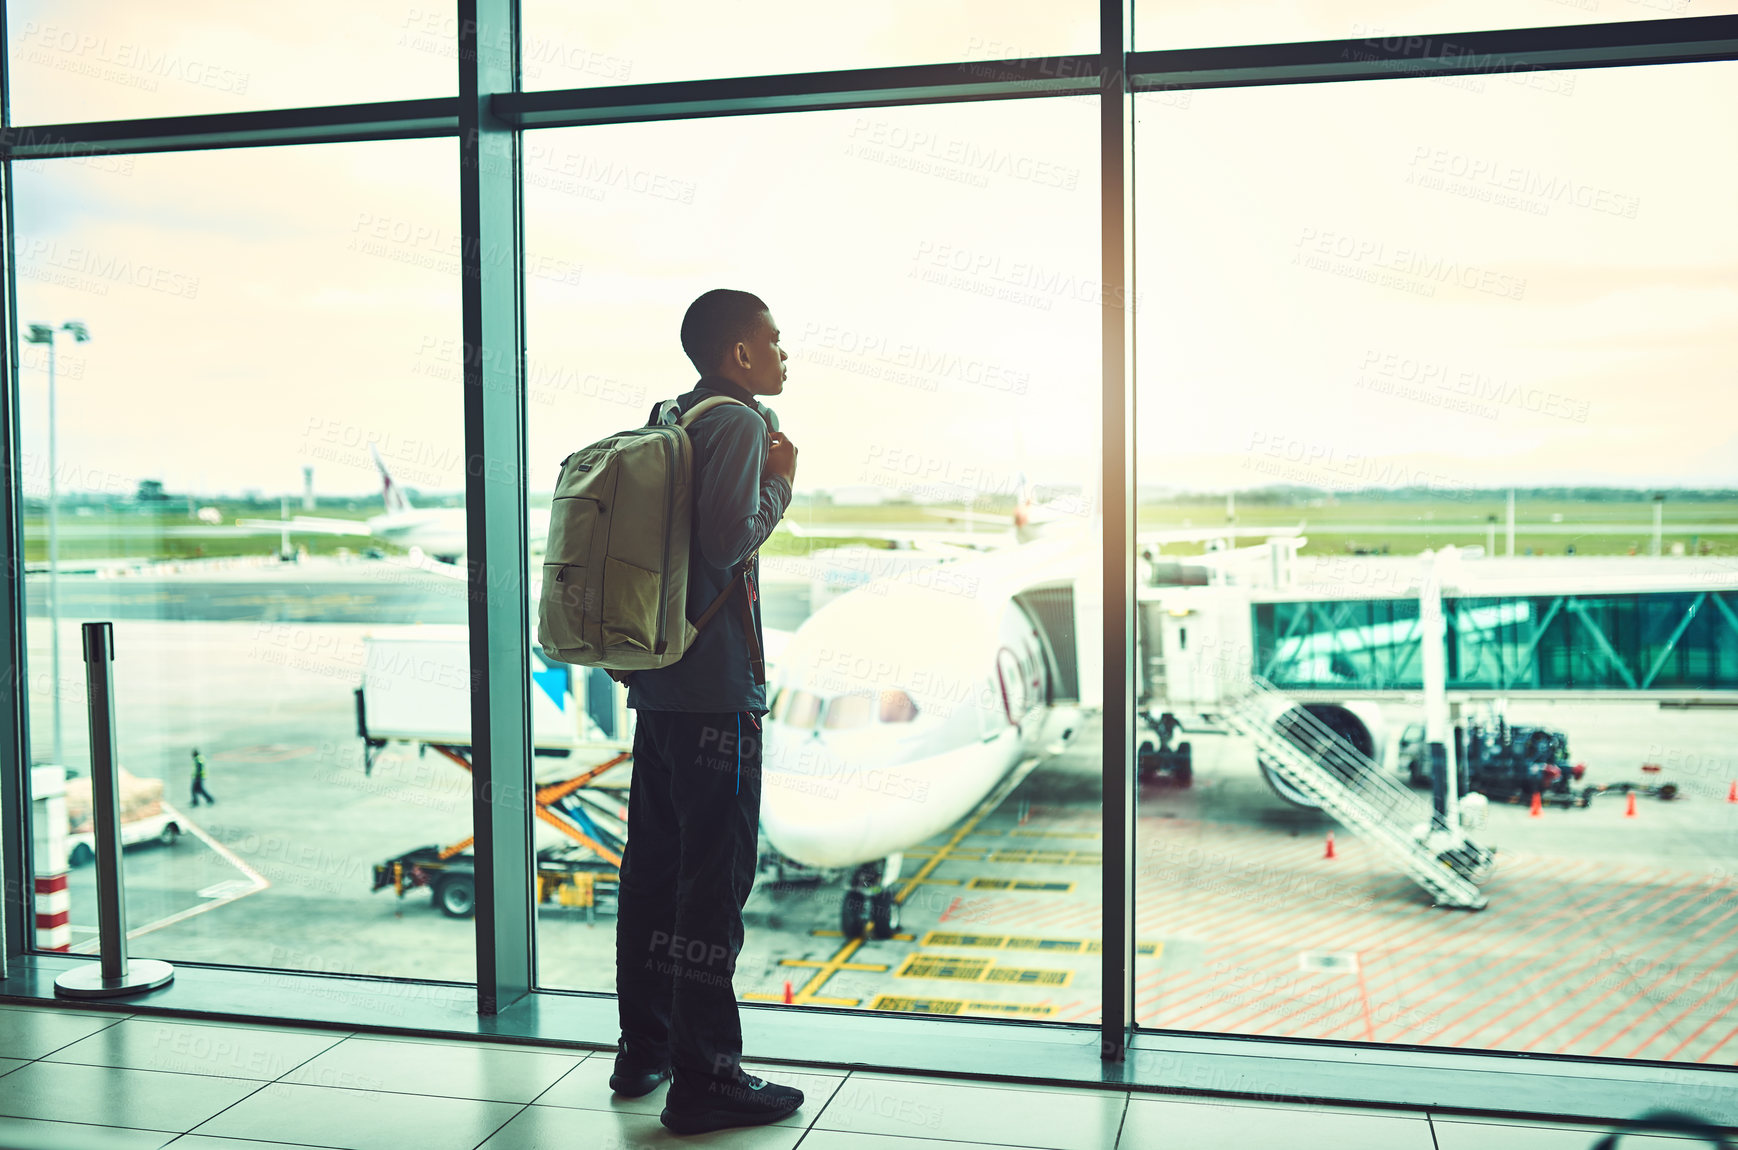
(716, 322)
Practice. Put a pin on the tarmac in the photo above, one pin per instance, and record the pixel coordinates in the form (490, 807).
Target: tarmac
(1605, 934)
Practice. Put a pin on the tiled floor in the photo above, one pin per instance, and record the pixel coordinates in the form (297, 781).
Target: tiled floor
(94, 1081)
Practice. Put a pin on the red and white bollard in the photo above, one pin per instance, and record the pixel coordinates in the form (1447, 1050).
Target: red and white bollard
(48, 822)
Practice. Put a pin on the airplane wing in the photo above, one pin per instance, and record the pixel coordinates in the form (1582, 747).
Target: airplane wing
(419, 561)
(952, 542)
(963, 516)
(307, 525)
(1202, 534)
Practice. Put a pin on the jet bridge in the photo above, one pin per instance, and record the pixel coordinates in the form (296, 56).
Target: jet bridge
(1286, 665)
(1659, 630)
(1664, 643)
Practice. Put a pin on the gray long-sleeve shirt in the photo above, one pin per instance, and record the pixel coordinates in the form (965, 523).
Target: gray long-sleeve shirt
(737, 503)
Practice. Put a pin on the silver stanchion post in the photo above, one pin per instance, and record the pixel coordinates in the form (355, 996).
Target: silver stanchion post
(114, 975)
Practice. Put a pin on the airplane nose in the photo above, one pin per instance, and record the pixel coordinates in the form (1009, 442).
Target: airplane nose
(806, 803)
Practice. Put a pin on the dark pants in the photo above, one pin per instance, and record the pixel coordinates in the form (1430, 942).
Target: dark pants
(693, 823)
(199, 792)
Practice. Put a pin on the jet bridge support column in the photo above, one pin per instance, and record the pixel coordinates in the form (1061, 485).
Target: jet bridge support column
(1438, 723)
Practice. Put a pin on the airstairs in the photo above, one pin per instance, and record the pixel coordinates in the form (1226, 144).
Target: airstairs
(1358, 793)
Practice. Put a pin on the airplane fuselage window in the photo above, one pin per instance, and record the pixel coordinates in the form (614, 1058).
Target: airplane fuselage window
(849, 711)
(796, 708)
(897, 707)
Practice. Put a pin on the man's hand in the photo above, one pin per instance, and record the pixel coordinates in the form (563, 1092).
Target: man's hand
(781, 457)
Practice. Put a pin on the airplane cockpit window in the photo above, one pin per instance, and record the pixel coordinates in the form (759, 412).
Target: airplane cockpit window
(897, 707)
(849, 711)
(795, 708)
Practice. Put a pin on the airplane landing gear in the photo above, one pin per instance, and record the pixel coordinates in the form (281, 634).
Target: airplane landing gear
(854, 915)
(884, 915)
(1156, 762)
(869, 909)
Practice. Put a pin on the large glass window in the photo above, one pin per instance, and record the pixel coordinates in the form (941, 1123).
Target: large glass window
(1437, 513)
(1203, 23)
(254, 468)
(1453, 373)
(77, 60)
(934, 273)
(572, 47)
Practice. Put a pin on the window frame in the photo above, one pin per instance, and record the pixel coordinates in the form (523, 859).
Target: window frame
(490, 116)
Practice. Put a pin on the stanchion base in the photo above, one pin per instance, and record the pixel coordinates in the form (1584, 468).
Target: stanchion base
(88, 982)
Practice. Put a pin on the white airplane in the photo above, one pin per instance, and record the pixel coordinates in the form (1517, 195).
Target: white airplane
(899, 707)
(437, 532)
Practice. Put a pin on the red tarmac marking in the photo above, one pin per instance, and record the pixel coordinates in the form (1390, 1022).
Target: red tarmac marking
(1551, 932)
(1644, 990)
(1696, 1033)
(1542, 927)
(1730, 1034)
(1553, 978)
(1412, 921)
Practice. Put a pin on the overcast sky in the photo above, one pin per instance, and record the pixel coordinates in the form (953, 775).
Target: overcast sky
(1496, 280)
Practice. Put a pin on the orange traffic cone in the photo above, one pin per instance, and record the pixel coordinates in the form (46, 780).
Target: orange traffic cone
(1330, 852)
(1629, 807)
(789, 997)
(1537, 810)
(1732, 792)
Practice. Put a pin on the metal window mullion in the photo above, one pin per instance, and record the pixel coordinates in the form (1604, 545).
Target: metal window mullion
(966, 80)
(273, 127)
(1579, 610)
(491, 264)
(1117, 486)
(1402, 660)
(1719, 601)
(1672, 643)
(1296, 624)
(1678, 40)
(17, 916)
(1525, 658)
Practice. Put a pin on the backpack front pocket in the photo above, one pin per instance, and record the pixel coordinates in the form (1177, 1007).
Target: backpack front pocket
(630, 605)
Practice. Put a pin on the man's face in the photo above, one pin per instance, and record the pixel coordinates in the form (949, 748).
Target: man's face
(765, 370)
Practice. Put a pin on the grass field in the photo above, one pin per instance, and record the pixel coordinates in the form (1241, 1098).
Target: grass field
(1356, 522)
(1350, 522)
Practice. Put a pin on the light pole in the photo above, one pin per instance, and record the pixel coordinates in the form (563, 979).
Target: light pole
(44, 333)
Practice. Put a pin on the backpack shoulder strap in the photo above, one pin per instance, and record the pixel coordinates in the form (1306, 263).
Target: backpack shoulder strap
(706, 405)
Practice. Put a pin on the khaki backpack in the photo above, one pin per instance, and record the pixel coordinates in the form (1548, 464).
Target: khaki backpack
(615, 575)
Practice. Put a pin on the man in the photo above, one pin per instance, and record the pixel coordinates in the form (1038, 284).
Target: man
(199, 780)
(694, 800)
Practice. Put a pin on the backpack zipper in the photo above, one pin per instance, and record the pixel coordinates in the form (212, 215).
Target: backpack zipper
(670, 450)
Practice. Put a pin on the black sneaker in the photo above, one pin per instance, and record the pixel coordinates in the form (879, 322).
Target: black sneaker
(633, 1077)
(749, 1101)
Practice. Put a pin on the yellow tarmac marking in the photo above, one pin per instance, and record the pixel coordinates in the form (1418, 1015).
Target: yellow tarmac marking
(956, 1006)
(1029, 942)
(900, 937)
(971, 968)
(1053, 858)
(1029, 977)
(821, 964)
(957, 853)
(950, 966)
(826, 970)
(840, 961)
(1019, 884)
